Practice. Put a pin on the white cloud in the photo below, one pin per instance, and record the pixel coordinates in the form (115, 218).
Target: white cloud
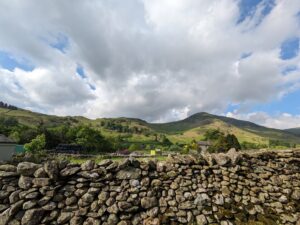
(157, 60)
(280, 121)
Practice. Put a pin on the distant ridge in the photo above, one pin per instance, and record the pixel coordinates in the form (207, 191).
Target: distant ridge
(295, 131)
(184, 130)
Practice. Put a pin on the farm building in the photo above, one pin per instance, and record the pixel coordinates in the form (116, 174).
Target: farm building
(7, 148)
(203, 146)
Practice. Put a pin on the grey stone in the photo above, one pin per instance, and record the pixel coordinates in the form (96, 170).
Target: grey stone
(129, 173)
(69, 171)
(33, 217)
(296, 195)
(201, 220)
(27, 168)
(8, 174)
(88, 165)
(41, 182)
(112, 219)
(149, 202)
(221, 159)
(40, 172)
(8, 168)
(25, 182)
(64, 217)
(51, 168)
(91, 221)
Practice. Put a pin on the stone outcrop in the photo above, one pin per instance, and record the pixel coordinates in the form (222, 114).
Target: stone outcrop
(224, 189)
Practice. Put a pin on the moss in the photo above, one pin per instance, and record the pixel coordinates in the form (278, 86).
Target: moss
(268, 220)
(240, 218)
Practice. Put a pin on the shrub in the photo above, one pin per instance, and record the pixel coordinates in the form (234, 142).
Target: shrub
(36, 145)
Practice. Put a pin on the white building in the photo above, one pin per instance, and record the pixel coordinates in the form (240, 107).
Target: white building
(7, 148)
(203, 146)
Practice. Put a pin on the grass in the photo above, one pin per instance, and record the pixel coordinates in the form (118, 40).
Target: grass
(198, 133)
(98, 159)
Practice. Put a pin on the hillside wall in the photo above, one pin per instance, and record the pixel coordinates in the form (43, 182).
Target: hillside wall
(215, 189)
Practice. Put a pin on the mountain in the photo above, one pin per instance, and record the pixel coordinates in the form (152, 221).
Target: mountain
(295, 131)
(244, 130)
(182, 131)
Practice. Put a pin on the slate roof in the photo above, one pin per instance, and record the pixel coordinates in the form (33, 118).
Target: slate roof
(4, 139)
(204, 143)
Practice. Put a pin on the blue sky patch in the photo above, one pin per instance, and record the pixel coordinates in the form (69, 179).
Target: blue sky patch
(246, 55)
(289, 69)
(289, 48)
(288, 104)
(10, 62)
(232, 107)
(92, 87)
(249, 7)
(61, 43)
(80, 71)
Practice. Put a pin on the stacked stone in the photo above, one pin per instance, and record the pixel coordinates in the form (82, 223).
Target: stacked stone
(222, 189)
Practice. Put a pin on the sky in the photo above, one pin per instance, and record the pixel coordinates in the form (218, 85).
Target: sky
(158, 60)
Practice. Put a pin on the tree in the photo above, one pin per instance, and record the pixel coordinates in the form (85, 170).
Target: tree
(233, 142)
(224, 143)
(148, 147)
(175, 148)
(165, 141)
(134, 147)
(92, 140)
(212, 134)
(36, 145)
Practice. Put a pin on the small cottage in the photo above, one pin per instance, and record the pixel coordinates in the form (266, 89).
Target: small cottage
(203, 146)
(7, 148)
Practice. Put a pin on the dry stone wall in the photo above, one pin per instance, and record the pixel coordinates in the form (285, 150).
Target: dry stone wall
(221, 189)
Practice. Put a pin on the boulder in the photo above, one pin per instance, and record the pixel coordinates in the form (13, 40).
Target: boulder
(92, 221)
(149, 202)
(296, 195)
(88, 165)
(25, 182)
(64, 217)
(40, 172)
(41, 182)
(221, 159)
(32, 217)
(69, 171)
(129, 173)
(27, 168)
(51, 168)
(8, 174)
(201, 220)
(234, 156)
(8, 168)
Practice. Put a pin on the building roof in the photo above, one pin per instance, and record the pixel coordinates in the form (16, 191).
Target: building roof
(4, 139)
(205, 143)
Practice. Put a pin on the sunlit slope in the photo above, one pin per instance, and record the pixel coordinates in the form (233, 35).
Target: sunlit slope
(182, 131)
(240, 128)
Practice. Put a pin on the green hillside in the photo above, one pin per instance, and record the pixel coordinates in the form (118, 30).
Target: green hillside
(202, 120)
(137, 130)
(295, 131)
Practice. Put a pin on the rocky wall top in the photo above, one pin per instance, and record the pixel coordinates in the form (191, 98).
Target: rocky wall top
(222, 189)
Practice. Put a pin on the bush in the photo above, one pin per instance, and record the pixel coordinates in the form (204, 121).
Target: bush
(134, 147)
(175, 148)
(224, 143)
(36, 145)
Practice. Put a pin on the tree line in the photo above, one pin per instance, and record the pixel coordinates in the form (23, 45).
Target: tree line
(7, 106)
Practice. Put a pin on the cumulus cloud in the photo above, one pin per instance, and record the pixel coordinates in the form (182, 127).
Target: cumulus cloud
(157, 60)
(280, 121)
